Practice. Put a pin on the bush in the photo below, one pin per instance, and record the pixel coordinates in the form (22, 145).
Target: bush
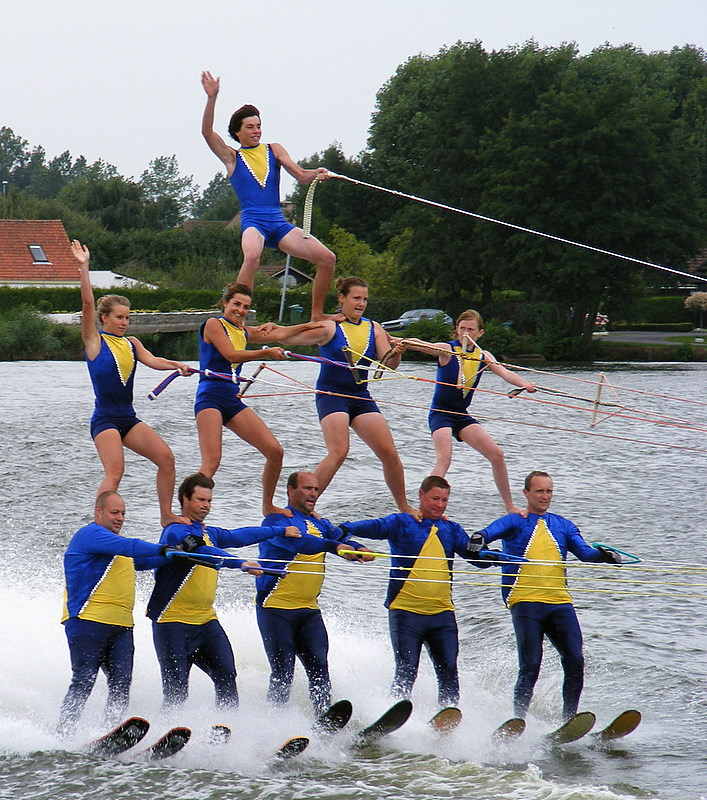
(677, 327)
(26, 334)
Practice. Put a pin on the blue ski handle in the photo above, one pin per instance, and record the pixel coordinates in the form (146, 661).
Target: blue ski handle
(634, 558)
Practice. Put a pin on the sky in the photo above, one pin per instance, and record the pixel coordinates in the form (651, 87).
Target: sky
(121, 80)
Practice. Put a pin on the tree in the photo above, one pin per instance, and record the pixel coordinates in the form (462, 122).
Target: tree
(218, 201)
(173, 194)
(698, 302)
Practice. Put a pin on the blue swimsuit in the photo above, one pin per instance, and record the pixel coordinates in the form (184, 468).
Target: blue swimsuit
(464, 375)
(112, 374)
(216, 392)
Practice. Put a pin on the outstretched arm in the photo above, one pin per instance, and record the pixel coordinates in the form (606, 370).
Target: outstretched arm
(301, 175)
(308, 333)
(89, 333)
(506, 374)
(222, 151)
(144, 356)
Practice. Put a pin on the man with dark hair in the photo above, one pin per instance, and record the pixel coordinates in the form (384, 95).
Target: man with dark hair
(536, 591)
(185, 628)
(288, 614)
(419, 600)
(254, 172)
(99, 570)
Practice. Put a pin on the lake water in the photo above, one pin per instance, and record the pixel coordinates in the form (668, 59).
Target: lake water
(632, 483)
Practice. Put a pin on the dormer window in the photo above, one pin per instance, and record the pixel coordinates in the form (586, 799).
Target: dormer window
(38, 254)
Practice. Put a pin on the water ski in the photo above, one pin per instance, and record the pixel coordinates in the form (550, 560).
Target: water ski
(575, 727)
(510, 729)
(446, 720)
(292, 747)
(625, 723)
(393, 718)
(334, 718)
(169, 744)
(219, 734)
(121, 738)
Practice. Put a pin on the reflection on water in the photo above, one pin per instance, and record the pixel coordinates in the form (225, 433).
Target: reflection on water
(618, 482)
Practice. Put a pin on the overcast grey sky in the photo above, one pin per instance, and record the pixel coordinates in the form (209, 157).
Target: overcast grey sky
(120, 80)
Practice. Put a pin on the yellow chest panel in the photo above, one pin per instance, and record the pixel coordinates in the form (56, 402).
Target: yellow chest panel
(257, 161)
(428, 589)
(303, 584)
(113, 597)
(468, 369)
(541, 583)
(123, 355)
(357, 337)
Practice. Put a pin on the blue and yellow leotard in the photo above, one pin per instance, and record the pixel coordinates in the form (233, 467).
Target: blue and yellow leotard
(112, 374)
(456, 381)
(358, 338)
(256, 182)
(216, 392)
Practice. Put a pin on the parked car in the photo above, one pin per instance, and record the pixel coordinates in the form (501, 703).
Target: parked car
(415, 315)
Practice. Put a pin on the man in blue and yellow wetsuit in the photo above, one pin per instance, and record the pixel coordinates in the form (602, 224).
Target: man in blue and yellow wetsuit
(254, 172)
(419, 601)
(288, 614)
(536, 592)
(99, 570)
(185, 628)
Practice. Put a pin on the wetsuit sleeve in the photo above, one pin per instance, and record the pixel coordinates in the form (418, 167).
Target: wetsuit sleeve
(500, 528)
(577, 545)
(461, 547)
(382, 528)
(240, 537)
(100, 540)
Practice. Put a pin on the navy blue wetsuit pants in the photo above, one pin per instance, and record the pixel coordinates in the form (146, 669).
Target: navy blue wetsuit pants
(179, 645)
(296, 633)
(94, 646)
(439, 634)
(533, 621)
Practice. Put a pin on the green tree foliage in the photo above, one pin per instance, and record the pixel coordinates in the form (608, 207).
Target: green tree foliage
(599, 148)
(218, 201)
(171, 194)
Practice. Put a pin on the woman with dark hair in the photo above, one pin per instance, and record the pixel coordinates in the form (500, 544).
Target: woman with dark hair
(343, 399)
(112, 357)
(222, 349)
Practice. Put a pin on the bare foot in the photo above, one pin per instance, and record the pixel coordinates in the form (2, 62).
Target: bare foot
(321, 317)
(269, 508)
(171, 518)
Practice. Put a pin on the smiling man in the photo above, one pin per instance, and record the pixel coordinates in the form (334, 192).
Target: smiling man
(536, 592)
(419, 601)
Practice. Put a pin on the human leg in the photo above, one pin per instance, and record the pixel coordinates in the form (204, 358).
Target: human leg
(214, 655)
(323, 259)
(142, 440)
(109, 446)
(209, 423)
(252, 243)
(564, 633)
(312, 647)
(173, 645)
(248, 426)
(118, 667)
(374, 431)
(442, 642)
(442, 441)
(277, 631)
(406, 636)
(335, 429)
(478, 438)
(87, 647)
(529, 630)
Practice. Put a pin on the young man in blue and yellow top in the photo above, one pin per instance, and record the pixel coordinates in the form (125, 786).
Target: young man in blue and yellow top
(288, 613)
(536, 592)
(419, 600)
(111, 357)
(99, 571)
(222, 349)
(254, 172)
(185, 628)
(343, 400)
(460, 364)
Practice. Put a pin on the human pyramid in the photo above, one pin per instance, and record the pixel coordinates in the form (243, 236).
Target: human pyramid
(100, 564)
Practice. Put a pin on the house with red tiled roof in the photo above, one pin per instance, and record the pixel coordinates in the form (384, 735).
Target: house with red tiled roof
(36, 252)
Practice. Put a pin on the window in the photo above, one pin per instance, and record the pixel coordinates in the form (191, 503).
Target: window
(38, 254)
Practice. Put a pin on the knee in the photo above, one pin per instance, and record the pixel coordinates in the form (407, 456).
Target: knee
(495, 456)
(327, 262)
(275, 453)
(166, 460)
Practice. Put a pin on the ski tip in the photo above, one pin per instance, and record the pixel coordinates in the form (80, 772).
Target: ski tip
(446, 720)
(170, 744)
(121, 738)
(334, 718)
(575, 727)
(292, 747)
(510, 729)
(625, 723)
(219, 734)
